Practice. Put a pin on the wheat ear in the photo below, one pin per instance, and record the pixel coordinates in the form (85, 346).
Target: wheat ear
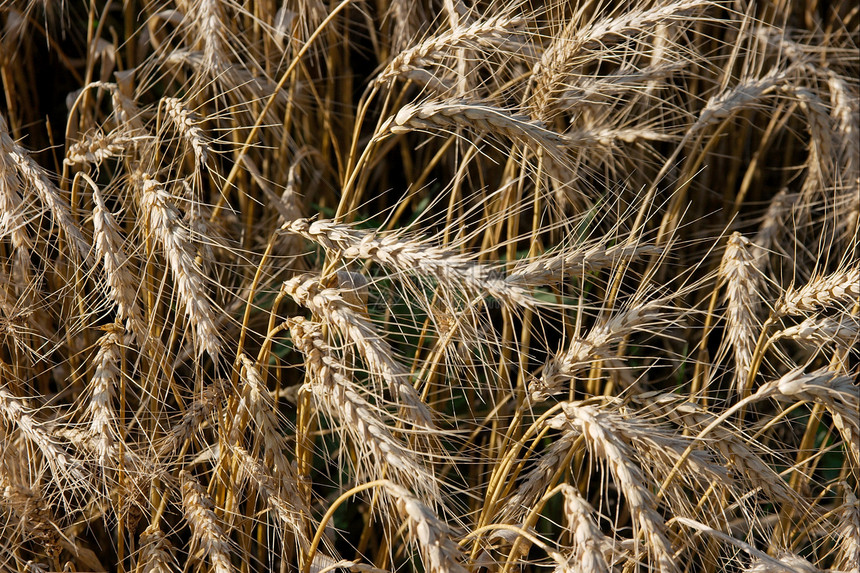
(331, 306)
(587, 537)
(329, 384)
(104, 382)
(32, 173)
(583, 351)
(496, 32)
(96, 147)
(448, 267)
(848, 556)
(117, 267)
(187, 124)
(154, 552)
(165, 224)
(433, 536)
(605, 442)
(206, 528)
(840, 287)
(839, 394)
(284, 502)
(66, 471)
(483, 117)
(743, 287)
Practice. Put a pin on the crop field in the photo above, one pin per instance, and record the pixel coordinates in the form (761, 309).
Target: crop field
(430, 286)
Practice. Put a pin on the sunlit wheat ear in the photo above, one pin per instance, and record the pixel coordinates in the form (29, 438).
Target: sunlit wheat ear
(120, 277)
(257, 402)
(432, 535)
(187, 125)
(449, 268)
(285, 503)
(33, 516)
(743, 455)
(743, 286)
(605, 443)
(839, 394)
(36, 178)
(196, 413)
(783, 562)
(588, 540)
(846, 112)
(848, 558)
(330, 307)
(498, 33)
(13, 221)
(575, 262)
(451, 114)
(207, 530)
(538, 479)
(94, 148)
(581, 352)
(749, 93)
(844, 330)
(66, 472)
(105, 380)
(772, 226)
(839, 288)
(340, 399)
(581, 44)
(165, 223)
(155, 552)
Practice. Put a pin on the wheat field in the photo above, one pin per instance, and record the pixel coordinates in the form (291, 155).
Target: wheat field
(441, 286)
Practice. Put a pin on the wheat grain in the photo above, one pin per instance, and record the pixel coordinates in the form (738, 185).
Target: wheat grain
(583, 351)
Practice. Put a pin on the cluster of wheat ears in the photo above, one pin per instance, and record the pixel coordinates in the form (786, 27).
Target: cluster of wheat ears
(446, 286)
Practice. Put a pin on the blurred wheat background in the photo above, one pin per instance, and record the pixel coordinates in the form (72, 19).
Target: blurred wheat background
(440, 286)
